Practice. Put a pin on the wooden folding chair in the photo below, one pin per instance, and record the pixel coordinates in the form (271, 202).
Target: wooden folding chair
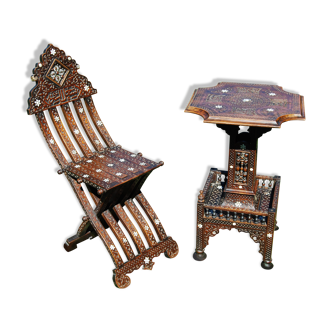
(113, 176)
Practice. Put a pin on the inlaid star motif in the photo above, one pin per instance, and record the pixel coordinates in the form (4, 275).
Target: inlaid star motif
(52, 141)
(112, 247)
(89, 161)
(77, 166)
(130, 169)
(76, 131)
(81, 110)
(146, 227)
(98, 170)
(225, 90)
(218, 106)
(99, 123)
(142, 164)
(53, 51)
(269, 235)
(37, 102)
(112, 151)
(74, 152)
(133, 155)
(85, 175)
(270, 109)
(97, 142)
(121, 160)
(157, 221)
(86, 88)
(106, 180)
(219, 187)
(146, 260)
(238, 204)
(118, 174)
(272, 94)
(135, 233)
(110, 165)
(56, 118)
(124, 240)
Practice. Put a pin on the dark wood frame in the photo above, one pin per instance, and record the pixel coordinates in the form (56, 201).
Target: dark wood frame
(113, 176)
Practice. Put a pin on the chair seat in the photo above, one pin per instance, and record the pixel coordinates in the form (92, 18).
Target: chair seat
(110, 168)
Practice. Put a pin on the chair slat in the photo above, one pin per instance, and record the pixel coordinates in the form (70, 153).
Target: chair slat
(61, 159)
(129, 227)
(152, 216)
(97, 122)
(87, 126)
(63, 135)
(116, 229)
(75, 130)
(141, 222)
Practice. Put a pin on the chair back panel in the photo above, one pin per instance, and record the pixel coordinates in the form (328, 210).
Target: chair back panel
(57, 84)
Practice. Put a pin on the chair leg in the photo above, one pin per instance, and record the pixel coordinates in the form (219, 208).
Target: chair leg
(199, 254)
(267, 254)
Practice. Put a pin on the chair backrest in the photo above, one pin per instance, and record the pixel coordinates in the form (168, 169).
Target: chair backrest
(58, 84)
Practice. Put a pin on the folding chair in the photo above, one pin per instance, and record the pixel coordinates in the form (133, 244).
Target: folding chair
(113, 176)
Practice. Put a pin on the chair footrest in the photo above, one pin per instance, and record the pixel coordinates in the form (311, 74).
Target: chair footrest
(167, 246)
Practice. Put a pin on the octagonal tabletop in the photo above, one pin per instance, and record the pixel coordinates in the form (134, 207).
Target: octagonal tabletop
(246, 104)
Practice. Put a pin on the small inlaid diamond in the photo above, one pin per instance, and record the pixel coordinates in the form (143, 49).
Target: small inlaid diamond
(218, 106)
(231, 166)
(146, 227)
(157, 221)
(255, 238)
(106, 180)
(234, 223)
(225, 90)
(130, 169)
(270, 109)
(214, 233)
(240, 187)
(146, 260)
(77, 166)
(118, 174)
(200, 225)
(89, 161)
(133, 155)
(101, 156)
(81, 110)
(52, 141)
(124, 240)
(251, 169)
(121, 160)
(76, 131)
(272, 94)
(99, 123)
(246, 100)
(112, 151)
(110, 165)
(135, 233)
(142, 164)
(97, 142)
(98, 170)
(85, 175)
(238, 204)
(73, 152)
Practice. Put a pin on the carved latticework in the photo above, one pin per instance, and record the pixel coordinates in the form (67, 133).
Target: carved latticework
(257, 222)
(113, 176)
